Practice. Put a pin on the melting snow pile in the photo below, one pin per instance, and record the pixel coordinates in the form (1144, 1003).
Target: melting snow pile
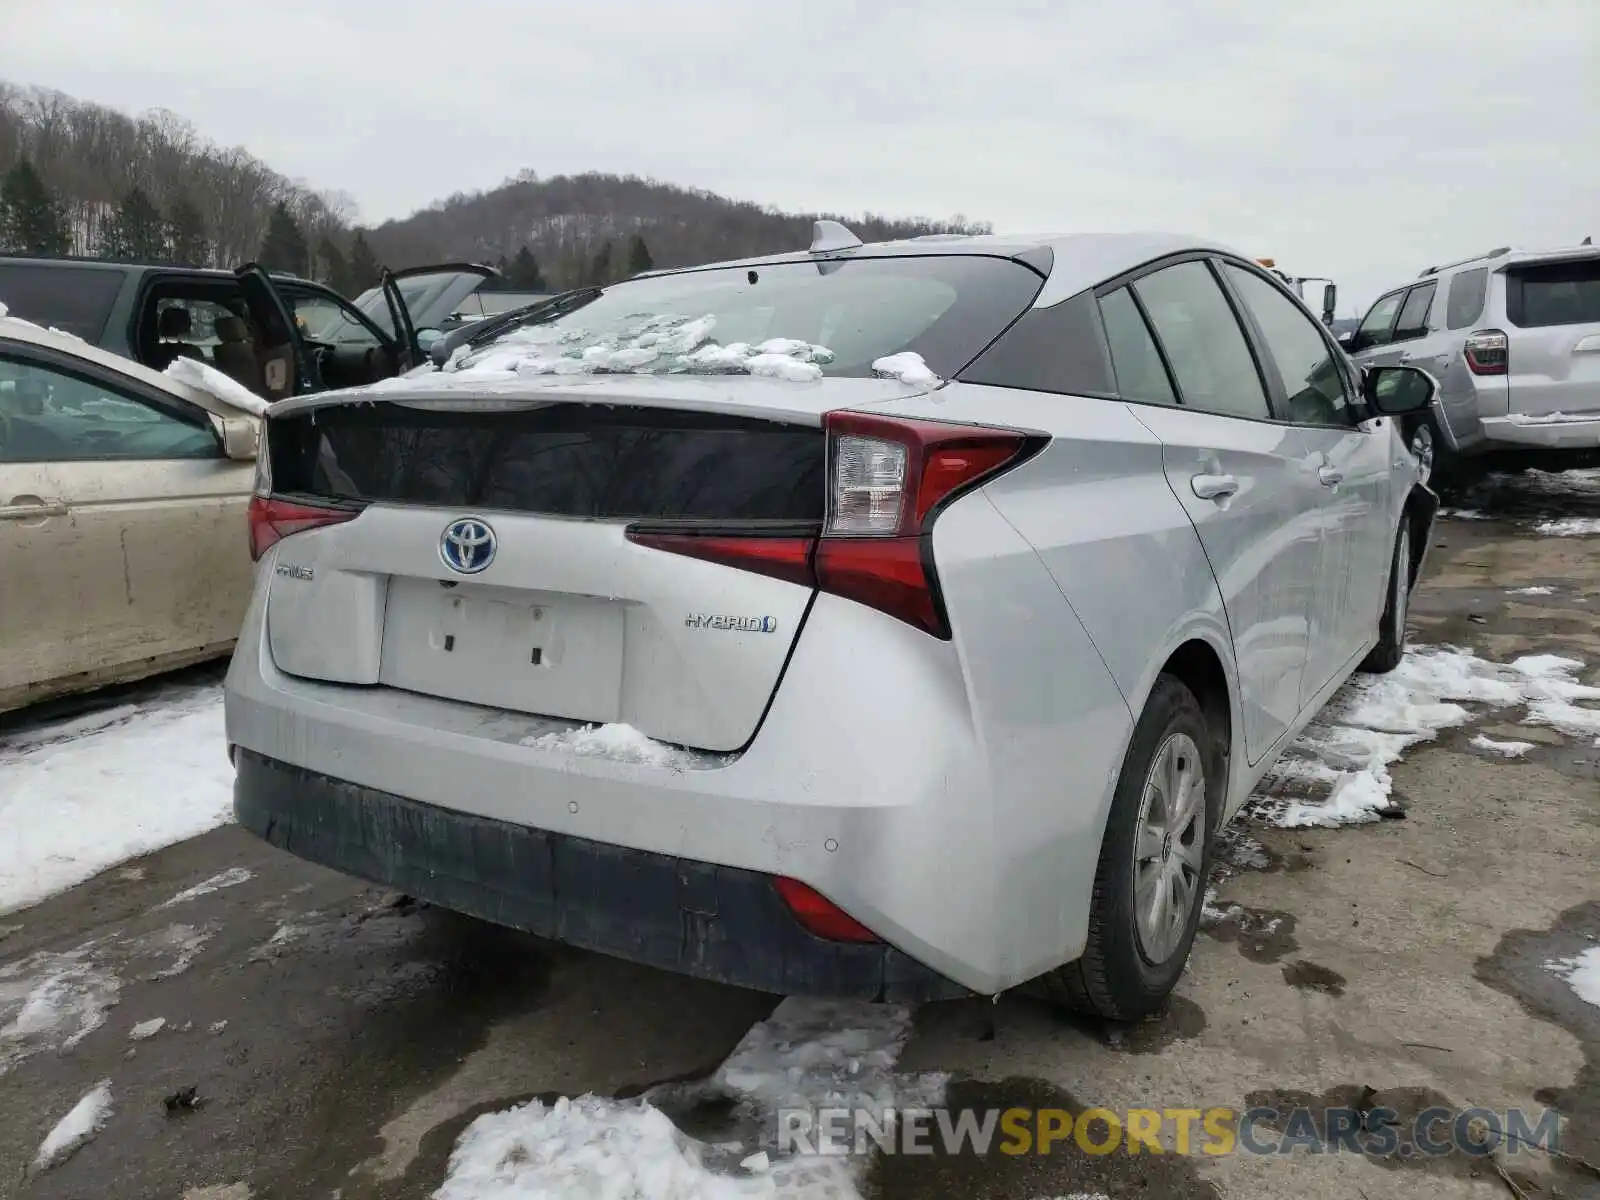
(619, 743)
(73, 808)
(1582, 973)
(145, 1030)
(673, 345)
(907, 367)
(808, 1055)
(1530, 591)
(1569, 527)
(51, 1002)
(1504, 749)
(1375, 719)
(213, 382)
(87, 1118)
(232, 877)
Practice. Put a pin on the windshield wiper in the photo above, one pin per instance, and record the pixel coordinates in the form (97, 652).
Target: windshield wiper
(480, 333)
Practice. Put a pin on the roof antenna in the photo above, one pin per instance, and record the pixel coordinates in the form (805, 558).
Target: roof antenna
(830, 235)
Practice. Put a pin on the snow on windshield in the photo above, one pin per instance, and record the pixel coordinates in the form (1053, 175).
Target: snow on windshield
(673, 344)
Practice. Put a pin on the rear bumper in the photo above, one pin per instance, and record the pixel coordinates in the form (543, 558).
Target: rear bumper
(1574, 434)
(718, 923)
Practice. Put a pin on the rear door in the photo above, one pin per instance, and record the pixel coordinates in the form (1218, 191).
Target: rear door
(122, 525)
(1554, 310)
(287, 368)
(1345, 475)
(1238, 474)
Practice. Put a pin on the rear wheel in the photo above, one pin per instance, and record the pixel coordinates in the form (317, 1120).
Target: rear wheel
(1154, 861)
(1391, 647)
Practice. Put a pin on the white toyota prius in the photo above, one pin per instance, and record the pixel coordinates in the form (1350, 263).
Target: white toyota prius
(893, 621)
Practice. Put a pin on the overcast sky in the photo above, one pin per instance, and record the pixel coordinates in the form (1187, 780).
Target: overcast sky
(1361, 139)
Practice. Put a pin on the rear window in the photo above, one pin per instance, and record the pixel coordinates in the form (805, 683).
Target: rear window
(76, 300)
(1464, 302)
(838, 315)
(1564, 293)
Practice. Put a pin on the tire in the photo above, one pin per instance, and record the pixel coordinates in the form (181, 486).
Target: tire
(1391, 647)
(1428, 448)
(1128, 969)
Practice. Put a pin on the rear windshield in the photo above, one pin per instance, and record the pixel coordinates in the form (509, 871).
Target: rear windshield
(839, 316)
(1563, 293)
(76, 300)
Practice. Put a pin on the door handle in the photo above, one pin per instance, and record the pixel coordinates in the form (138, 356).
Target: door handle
(31, 512)
(1330, 476)
(1214, 487)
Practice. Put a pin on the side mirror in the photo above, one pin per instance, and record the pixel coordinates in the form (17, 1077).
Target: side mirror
(1330, 300)
(241, 438)
(1394, 391)
(1347, 339)
(427, 339)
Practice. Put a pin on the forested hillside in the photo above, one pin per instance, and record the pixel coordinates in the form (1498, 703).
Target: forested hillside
(81, 179)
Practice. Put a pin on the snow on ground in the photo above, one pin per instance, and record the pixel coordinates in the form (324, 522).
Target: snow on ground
(1569, 527)
(232, 877)
(52, 1002)
(78, 803)
(907, 367)
(145, 1030)
(1582, 972)
(1530, 591)
(809, 1054)
(1348, 749)
(214, 383)
(87, 1118)
(1462, 514)
(1504, 749)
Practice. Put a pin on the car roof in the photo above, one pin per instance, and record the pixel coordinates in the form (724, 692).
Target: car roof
(17, 330)
(1072, 261)
(71, 263)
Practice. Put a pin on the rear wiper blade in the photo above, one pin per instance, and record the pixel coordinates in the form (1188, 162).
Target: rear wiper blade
(480, 333)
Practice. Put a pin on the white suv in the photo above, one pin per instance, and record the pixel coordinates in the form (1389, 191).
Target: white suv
(1513, 338)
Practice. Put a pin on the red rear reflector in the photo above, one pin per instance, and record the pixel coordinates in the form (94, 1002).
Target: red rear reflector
(787, 558)
(273, 520)
(819, 915)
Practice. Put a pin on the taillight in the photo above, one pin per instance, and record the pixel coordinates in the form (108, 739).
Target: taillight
(1488, 352)
(888, 478)
(273, 520)
(820, 916)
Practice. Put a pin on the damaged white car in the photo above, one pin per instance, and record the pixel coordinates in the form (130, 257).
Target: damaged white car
(123, 493)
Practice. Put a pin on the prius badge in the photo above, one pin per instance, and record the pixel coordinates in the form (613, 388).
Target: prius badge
(739, 624)
(468, 545)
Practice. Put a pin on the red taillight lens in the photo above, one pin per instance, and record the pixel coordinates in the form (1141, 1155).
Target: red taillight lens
(1488, 352)
(820, 916)
(273, 520)
(783, 557)
(887, 480)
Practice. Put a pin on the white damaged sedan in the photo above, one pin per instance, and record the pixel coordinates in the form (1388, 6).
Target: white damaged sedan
(891, 621)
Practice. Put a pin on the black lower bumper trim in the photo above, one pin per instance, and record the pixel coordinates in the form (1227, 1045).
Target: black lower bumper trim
(719, 923)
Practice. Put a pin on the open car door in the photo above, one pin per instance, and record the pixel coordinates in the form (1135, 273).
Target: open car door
(286, 368)
(425, 296)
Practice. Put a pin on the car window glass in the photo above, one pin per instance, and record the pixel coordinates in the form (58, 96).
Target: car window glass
(49, 416)
(1464, 301)
(1134, 357)
(1203, 341)
(1305, 361)
(1413, 322)
(1377, 327)
(322, 319)
(1540, 295)
(75, 299)
(201, 327)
